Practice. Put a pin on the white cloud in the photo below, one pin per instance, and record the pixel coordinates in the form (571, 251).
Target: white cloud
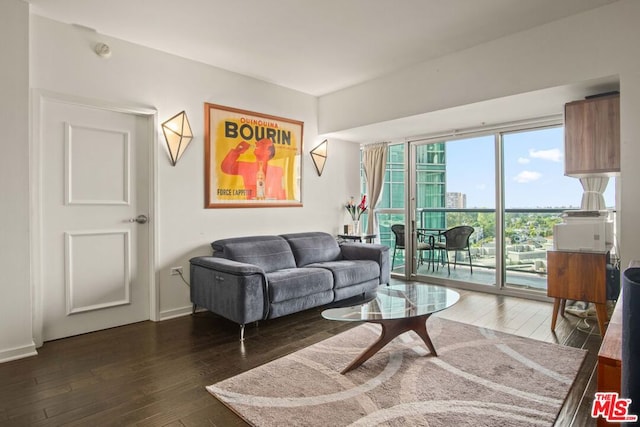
(554, 155)
(523, 160)
(527, 176)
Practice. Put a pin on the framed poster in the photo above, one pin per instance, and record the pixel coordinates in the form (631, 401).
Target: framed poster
(251, 159)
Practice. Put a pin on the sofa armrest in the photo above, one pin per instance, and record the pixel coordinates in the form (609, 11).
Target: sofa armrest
(372, 252)
(226, 265)
(231, 289)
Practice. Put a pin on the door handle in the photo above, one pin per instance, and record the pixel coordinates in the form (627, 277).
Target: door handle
(140, 219)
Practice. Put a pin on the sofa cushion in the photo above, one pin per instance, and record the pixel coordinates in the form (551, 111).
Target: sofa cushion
(356, 290)
(373, 252)
(350, 272)
(313, 247)
(294, 283)
(270, 253)
(295, 305)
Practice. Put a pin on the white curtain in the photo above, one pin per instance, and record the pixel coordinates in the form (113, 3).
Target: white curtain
(592, 198)
(374, 161)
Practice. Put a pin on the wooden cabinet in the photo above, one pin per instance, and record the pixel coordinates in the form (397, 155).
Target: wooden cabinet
(592, 136)
(610, 357)
(578, 276)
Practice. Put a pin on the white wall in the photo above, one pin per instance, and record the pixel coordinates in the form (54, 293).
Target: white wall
(15, 294)
(63, 61)
(599, 43)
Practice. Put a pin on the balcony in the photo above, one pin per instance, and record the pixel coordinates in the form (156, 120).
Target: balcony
(528, 236)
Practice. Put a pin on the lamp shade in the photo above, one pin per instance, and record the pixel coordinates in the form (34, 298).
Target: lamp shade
(319, 156)
(177, 133)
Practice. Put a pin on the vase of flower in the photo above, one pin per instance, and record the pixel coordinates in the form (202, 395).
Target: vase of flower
(355, 211)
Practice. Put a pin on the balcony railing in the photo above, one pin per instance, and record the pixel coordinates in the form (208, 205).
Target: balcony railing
(528, 235)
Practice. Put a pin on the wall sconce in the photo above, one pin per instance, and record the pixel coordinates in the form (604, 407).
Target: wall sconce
(319, 156)
(178, 135)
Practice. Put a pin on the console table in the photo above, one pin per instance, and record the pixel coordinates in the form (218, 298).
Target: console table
(610, 357)
(578, 276)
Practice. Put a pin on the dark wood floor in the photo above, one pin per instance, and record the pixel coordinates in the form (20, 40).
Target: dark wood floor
(154, 374)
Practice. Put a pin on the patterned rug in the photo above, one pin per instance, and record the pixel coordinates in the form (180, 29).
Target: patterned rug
(481, 377)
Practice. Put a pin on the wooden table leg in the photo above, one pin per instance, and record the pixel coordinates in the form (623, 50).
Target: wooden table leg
(554, 315)
(390, 330)
(601, 312)
(420, 328)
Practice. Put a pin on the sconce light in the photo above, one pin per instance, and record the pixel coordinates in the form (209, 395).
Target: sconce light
(177, 132)
(319, 156)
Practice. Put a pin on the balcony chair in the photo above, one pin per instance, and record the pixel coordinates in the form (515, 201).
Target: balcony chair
(456, 239)
(398, 231)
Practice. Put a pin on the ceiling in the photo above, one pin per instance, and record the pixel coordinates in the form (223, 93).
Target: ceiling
(543, 105)
(315, 46)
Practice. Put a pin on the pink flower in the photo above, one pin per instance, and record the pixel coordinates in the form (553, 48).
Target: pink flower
(356, 211)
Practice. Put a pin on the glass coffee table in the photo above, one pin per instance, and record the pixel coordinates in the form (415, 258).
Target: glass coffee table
(398, 309)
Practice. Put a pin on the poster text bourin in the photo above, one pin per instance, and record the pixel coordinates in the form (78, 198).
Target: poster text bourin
(251, 159)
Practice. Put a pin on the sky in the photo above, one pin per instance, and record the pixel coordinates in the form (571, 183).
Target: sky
(534, 171)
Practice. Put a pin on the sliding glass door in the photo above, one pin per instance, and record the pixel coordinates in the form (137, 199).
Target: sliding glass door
(453, 185)
(509, 187)
(536, 192)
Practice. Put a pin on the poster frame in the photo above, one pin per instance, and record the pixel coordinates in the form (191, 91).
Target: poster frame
(217, 145)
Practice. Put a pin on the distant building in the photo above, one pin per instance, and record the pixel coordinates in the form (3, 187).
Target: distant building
(456, 201)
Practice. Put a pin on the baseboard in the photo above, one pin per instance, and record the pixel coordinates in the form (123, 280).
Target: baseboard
(176, 312)
(18, 353)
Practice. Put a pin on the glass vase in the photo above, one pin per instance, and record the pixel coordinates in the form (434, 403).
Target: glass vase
(356, 227)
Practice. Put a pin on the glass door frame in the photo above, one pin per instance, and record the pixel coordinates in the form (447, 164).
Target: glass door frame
(411, 213)
(410, 205)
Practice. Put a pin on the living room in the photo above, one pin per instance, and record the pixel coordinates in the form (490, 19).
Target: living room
(47, 58)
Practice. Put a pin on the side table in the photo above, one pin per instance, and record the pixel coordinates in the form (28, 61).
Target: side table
(579, 276)
(368, 238)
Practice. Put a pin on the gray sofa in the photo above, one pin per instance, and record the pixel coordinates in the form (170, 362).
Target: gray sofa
(263, 277)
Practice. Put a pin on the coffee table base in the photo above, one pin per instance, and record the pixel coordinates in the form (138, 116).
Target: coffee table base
(390, 329)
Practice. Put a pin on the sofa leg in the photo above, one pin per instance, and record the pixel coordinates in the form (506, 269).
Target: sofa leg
(241, 332)
(193, 311)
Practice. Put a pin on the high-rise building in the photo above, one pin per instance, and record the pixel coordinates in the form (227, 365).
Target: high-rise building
(456, 200)
(430, 185)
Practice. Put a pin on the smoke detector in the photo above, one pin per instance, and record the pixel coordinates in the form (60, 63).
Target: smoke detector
(103, 50)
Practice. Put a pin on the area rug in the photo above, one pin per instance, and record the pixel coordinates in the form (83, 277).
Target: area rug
(481, 377)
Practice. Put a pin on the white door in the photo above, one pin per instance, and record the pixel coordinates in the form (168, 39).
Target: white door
(95, 181)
